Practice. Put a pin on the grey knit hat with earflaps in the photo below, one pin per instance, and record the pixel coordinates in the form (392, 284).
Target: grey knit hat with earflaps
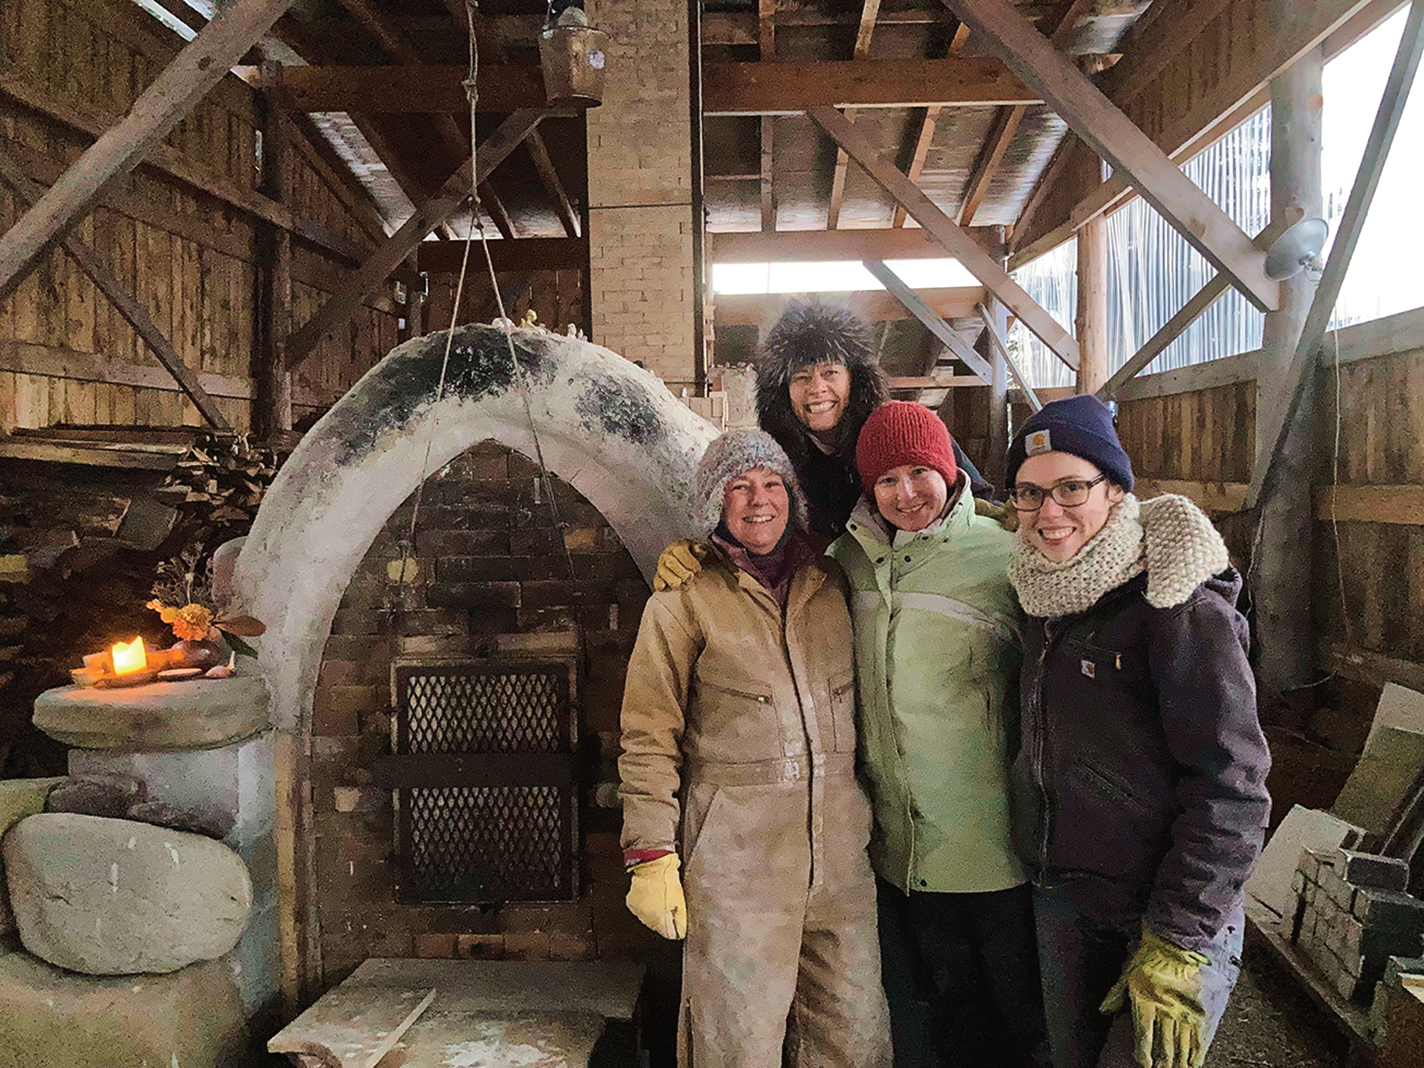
(735, 453)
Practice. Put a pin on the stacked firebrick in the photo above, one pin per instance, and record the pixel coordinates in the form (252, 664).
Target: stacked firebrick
(1353, 915)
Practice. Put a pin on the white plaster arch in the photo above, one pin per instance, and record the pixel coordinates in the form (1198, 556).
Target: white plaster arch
(606, 426)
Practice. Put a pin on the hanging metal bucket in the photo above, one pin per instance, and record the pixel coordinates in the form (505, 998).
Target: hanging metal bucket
(572, 58)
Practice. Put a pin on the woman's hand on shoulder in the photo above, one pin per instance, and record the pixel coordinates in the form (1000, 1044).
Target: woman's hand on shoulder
(679, 563)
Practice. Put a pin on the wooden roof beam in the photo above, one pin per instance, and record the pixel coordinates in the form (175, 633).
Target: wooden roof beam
(134, 313)
(767, 174)
(812, 246)
(334, 314)
(176, 91)
(1113, 136)
(928, 121)
(494, 207)
(791, 86)
(1278, 412)
(943, 229)
(549, 178)
(868, 12)
(1006, 123)
(872, 305)
(897, 288)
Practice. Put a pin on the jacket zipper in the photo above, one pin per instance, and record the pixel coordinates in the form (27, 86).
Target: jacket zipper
(1049, 637)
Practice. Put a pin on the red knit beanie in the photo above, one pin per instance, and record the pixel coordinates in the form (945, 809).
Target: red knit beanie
(899, 433)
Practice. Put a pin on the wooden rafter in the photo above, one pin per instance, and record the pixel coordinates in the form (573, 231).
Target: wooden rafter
(1228, 102)
(872, 305)
(868, 12)
(456, 189)
(943, 229)
(489, 200)
(1279, 412)
(1006, 122)
(790, 86)
(766, 52)
(539, 152)
(1114, 193)
(469, 18)
(526, 254)
(134, 313)
(928, 121)
(1132, 153)
(186, 80)
(897, 288)
(824, 245)
(1001, 348)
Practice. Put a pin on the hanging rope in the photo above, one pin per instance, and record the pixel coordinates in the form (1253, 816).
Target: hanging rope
(407, 546)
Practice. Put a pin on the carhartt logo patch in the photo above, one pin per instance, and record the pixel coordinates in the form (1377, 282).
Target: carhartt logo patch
(1037, 442)
(1089, 669)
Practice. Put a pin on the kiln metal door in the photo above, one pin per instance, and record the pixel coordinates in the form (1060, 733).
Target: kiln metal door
(484, 778)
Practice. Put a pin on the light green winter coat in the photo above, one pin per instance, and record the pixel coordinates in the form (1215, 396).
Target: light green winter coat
(937, 629)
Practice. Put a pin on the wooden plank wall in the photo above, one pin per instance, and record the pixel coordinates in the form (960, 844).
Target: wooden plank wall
(557, 297)
(190, 257)
(1379, 633)
(1199, 442)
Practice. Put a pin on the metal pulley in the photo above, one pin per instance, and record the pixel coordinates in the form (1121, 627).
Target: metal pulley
(572, 55)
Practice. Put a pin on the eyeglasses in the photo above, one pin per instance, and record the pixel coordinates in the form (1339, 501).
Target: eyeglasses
(1070, 493)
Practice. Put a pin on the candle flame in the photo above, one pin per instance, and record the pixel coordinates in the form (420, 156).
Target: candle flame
(130, 657)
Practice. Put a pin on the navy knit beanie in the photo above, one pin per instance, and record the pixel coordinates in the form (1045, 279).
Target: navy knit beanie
(1079, 425)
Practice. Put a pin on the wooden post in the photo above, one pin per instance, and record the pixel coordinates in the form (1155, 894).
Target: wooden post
(1091, 325)
(272, 416)
(1283, 547)
(996, 453)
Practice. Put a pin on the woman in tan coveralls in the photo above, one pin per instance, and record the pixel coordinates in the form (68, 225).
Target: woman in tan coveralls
(738, 765)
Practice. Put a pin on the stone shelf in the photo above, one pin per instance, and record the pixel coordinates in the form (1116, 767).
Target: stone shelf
(159, 716)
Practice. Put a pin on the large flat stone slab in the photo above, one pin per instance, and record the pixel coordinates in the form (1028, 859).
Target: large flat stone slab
(18, 798)
(115, 897)
(51, 1018)
(158, 717)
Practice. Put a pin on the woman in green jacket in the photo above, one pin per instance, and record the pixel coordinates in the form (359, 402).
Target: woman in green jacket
(937, 659)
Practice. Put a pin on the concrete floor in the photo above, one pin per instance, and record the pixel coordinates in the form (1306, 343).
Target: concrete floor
(1269, 1023)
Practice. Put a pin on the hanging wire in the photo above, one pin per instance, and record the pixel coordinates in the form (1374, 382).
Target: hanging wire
(407, 546)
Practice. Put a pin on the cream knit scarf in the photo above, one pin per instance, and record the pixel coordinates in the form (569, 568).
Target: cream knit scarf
(1169, 537)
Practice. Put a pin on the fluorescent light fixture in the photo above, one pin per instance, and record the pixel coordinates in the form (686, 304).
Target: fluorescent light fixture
(844, 276)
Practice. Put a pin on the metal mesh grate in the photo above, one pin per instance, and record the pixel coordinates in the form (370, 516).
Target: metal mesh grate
(497, 713)
(486, 803)
(488, 843)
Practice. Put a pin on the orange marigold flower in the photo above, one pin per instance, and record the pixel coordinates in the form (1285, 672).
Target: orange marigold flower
(192, 622)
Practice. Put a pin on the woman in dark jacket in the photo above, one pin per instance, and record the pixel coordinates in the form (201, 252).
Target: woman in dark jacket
(1139, 795)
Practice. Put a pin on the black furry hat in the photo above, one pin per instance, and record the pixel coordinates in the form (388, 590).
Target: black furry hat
(809, 333)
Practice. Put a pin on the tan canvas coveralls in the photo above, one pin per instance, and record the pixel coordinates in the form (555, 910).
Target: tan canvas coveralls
(739, 740)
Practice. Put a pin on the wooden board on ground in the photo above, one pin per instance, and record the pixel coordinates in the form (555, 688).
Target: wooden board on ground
(564, 1005)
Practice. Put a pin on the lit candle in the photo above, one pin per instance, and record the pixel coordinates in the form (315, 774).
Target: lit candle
(129, 658)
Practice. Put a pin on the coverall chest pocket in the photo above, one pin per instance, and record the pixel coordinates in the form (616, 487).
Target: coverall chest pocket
(734, 720)
(842, 690)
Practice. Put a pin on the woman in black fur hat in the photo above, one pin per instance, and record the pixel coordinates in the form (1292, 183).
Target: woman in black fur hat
(817, 383)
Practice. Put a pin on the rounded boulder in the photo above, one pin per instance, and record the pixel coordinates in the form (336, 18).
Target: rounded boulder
(115, 897)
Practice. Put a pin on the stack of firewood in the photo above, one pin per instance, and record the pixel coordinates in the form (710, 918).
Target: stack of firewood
(87, 514)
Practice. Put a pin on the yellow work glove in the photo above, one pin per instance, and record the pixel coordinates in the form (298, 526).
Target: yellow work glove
(1164, 982)
(678, 563)
(655, 896)
(1006, 515)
